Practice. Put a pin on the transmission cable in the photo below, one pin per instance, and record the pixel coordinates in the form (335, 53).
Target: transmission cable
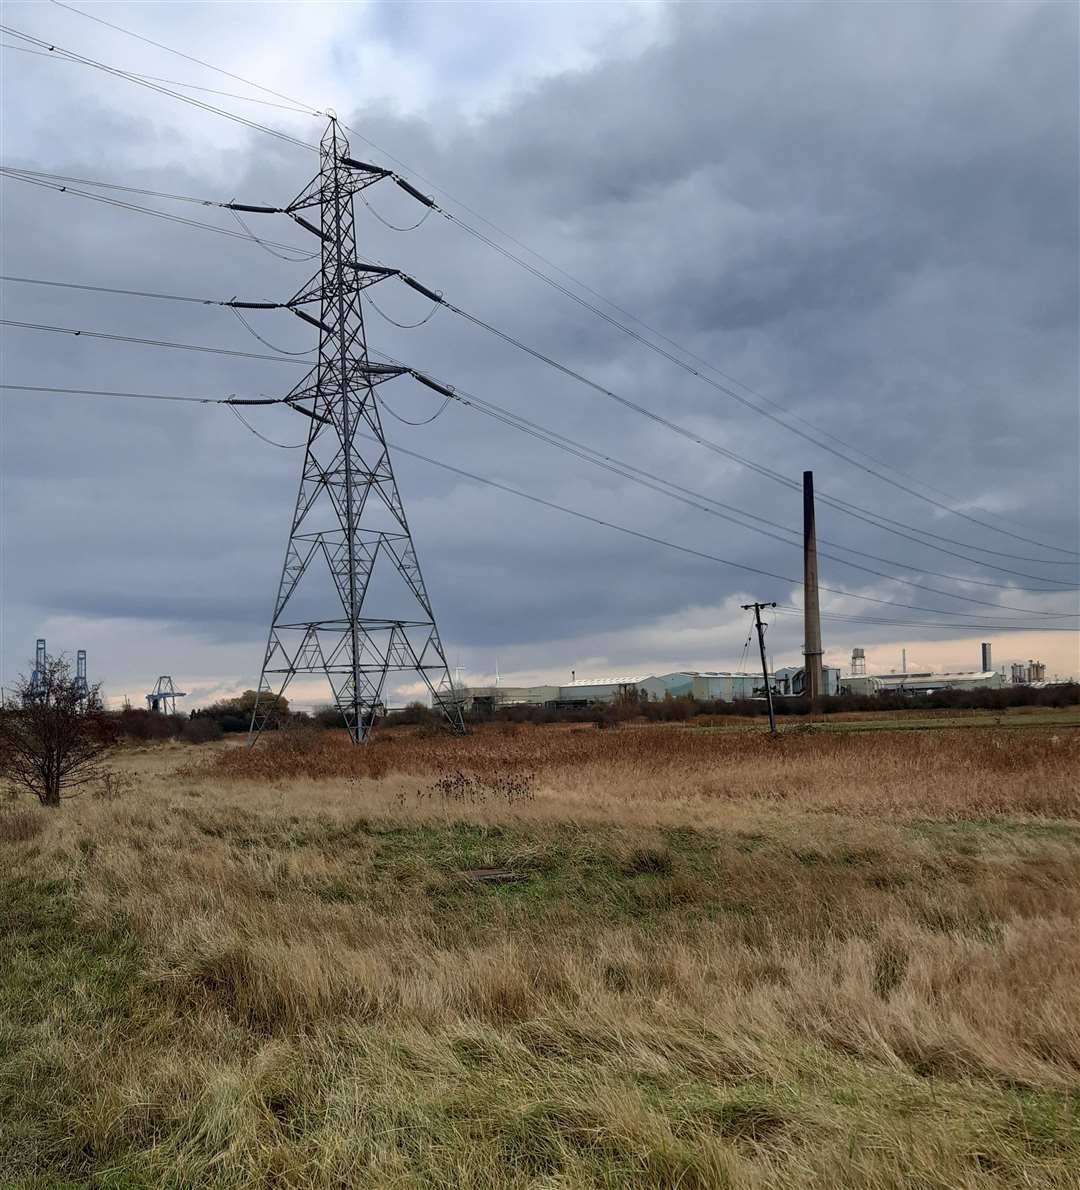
(299, 254)
(180, 54)
(124, 74)
(404, 326)
(266, 244)
(517, 343)
(745, 650)
(98, 392)
(85, 334)
(700, 440)
(692, 499)
(68, 179)
(143, 293)
(153, 78)
(266, 342)
(610, 466)
(626, 470)
(268, 441)
(405, 421)
(232, 400)
(789, 610)
(393, 226)
(682, 548)
(498, 247)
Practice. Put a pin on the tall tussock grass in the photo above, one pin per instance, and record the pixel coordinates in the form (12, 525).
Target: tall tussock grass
(962, 771)
(723, 962)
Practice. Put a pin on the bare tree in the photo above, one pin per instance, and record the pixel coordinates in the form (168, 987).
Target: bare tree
(54, 734)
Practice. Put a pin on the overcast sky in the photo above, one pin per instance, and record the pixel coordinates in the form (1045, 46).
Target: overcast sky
(865, 213)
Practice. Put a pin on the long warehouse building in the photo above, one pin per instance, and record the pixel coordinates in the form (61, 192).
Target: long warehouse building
(703, 685)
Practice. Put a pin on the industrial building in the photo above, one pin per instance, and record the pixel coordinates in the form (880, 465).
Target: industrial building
(926, 682)
(703, 685)
(908, 681)
(727, 686)
(791, 679)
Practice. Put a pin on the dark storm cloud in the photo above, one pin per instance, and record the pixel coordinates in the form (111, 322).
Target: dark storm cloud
(866, 212)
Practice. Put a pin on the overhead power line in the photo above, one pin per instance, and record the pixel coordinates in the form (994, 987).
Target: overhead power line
(180, 54)
(298, 256)
(877, 520)
(144, 293)
(682, 548)
(142, 82)
(85, 334)
(700, 440)
(68, 179)
(524, 495)
(569, 293)
(735, 515)
(742, 400)
(627, 470)
(789, 610)
(153, 78)
(99, 392)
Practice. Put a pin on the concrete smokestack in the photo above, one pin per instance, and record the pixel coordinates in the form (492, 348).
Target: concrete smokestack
(811, 609)
(987, 663)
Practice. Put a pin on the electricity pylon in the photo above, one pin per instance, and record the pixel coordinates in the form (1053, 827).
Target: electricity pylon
(349, 537)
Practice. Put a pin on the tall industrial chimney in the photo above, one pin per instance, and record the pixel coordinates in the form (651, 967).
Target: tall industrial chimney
(987, 664)
(811, 609)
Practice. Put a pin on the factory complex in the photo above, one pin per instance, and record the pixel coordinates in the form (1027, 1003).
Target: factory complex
(728, 686)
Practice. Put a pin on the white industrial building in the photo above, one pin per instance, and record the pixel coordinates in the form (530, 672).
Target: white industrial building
(929, 683)
(727, 686)
(921, 682)
(909, 681)
(703, 685)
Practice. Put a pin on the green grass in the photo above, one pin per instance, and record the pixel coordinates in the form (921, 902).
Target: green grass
(547, 1102)
(58, 980)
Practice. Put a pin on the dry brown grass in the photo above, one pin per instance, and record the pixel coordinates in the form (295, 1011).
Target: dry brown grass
(642, 768)
(829, 962)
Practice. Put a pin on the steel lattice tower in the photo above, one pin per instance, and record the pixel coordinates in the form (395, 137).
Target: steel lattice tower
(349, 525)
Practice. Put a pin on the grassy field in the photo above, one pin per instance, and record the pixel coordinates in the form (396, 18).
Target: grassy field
(829, 960)
(915, 720)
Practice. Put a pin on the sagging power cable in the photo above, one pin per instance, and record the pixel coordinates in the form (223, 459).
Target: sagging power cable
(71, 55)
(834, 501)
(622, 468)
(675, 546)
(514, 491)
(549, 280)
(296, 255)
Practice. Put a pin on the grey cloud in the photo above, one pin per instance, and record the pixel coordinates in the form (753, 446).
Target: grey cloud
(867, 212)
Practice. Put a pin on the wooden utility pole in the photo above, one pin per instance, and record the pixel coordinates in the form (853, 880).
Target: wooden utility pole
(813, 673)
(756, 608)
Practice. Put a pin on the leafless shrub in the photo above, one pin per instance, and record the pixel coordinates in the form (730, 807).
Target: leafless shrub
(54, 737)
(113, 785)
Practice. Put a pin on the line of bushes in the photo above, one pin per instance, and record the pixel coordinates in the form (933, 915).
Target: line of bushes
(234, 715)
(673, 710)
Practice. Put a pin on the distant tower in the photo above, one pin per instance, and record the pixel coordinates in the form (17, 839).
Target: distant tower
(814, 674)
(987, 663)
(858, 662)
(903, 661)
(80, 674)
(1036, 671)
(1019, 674)
(164, 695)
(37, 678)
